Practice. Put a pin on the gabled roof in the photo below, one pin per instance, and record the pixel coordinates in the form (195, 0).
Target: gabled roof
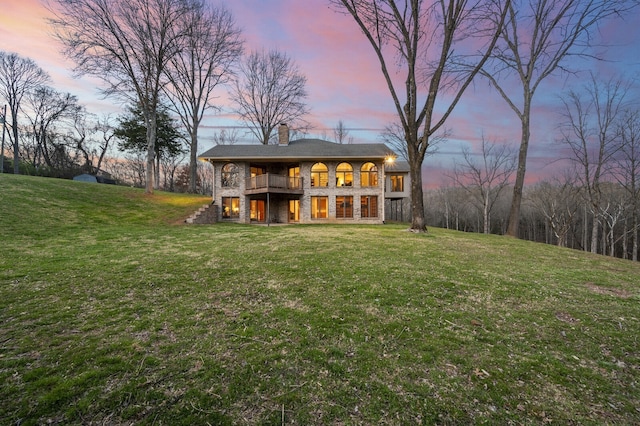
(301, 149)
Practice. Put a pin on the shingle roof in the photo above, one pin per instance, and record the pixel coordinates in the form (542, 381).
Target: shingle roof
(301, 149)
(398, 166)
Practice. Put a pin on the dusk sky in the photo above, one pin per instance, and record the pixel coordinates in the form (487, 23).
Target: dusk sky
(344, 80)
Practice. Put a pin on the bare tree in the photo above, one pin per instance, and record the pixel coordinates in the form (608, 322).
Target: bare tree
(271, 90)
(538, 39)
(341, 134)
(484, 180)
(45, 108)
(105, 127)
(210, 47)
(428, 40)
(590, 132)
(126, 43)
(558, 200)
(226, 138)
(18, 77)
(393, 135)
(90, 136)
(628, 170)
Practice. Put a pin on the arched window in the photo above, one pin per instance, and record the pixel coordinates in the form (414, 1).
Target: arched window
(369, 175)
(319, 175)
(344, 175)
(229, 176)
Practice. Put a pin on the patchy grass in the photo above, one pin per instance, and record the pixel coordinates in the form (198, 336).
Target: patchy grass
(113, 314)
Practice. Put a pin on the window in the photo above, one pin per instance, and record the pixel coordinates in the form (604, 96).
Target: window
(229, 175)
(397, 183)
(294, 178)
(369, 206)
(344, 175)
(257, 171)
(230, 207)
(369, 175)
(319, 175)
(319, 207)
(344, 207)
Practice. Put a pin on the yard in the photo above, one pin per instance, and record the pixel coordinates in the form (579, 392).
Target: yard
(114, 312)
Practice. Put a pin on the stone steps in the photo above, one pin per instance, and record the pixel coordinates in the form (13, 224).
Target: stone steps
(204, 215)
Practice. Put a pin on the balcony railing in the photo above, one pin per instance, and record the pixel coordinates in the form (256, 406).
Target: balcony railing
(274, 183)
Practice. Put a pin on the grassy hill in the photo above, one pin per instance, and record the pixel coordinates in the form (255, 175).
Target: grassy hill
(114, 312)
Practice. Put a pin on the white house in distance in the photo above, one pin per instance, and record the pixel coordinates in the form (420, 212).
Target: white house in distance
(303, 181)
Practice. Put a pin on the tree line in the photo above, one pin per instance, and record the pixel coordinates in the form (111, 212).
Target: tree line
(159, 58)
(592, 203)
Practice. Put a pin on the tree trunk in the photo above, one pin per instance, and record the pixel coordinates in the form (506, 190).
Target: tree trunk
(193, 161)
(634, 255)
(151, 138)
(594, 234)
(485, 213)
(516, 201)
(417, 196)
(16, 148)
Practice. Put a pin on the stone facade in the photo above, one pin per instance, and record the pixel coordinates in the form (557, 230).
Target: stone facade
(279, 202)
(277, 183)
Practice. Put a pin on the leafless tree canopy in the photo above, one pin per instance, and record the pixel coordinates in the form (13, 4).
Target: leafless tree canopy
(590, 131)
(47, 108)
(440, 46)
(484, 176)
(18, 77)
(341, 134)
(539, 39)
(126, 43)
(271, 90)
(211, 46)
(627, 169)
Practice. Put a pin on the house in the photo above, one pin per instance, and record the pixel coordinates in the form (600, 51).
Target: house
(301, 181)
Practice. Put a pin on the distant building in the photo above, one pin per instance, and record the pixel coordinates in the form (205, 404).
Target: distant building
(85, 177)
(101, 178)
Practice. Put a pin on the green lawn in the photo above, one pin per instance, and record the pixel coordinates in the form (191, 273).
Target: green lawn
(114, 312)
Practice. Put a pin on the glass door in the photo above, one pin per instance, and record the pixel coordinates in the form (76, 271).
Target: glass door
(294, 210)
(258, 210)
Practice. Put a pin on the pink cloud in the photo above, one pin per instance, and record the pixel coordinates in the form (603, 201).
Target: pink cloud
(344, 77)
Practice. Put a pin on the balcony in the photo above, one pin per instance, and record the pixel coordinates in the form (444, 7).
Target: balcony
(275, 184)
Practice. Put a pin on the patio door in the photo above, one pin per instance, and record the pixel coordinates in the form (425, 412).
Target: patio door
(258, 210)
(294, 210)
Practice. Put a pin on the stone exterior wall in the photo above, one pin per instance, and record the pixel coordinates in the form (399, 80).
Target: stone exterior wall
(279, 203)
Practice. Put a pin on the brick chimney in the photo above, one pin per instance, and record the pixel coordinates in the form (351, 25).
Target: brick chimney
(283, 134)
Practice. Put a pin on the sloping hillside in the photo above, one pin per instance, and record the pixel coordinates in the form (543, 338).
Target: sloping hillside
(112, 313)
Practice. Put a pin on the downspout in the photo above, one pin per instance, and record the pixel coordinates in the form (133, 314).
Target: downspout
(384, 190)
(213, 185)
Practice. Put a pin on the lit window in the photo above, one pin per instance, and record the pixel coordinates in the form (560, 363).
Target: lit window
(369, 206)
(294, 178)
(319, 175)
(344, 207)
(397, 183)
(344, 175)
(230, 207)
(368, 175)
(229, 175)
(319, 207)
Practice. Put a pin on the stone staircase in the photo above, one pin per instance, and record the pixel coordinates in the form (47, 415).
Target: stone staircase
(205, 215)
